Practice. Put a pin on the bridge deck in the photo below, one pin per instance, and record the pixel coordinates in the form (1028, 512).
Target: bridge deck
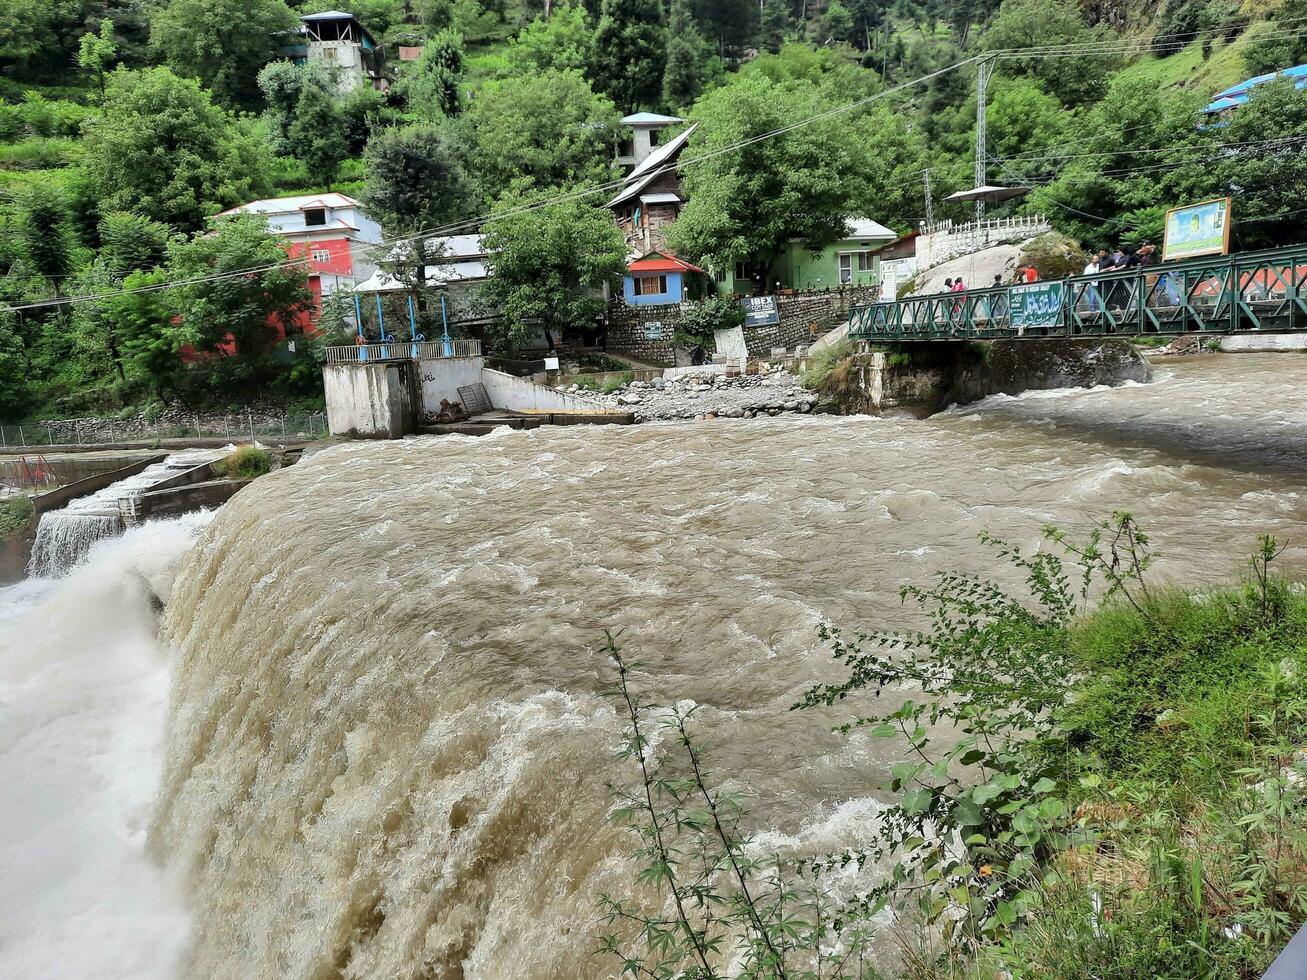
(1247, 293)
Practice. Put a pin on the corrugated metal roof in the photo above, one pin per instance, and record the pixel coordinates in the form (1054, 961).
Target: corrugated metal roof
(650, 119)
(286, 205)
(667, 198)
(866, 228)
(643, 175)
(662, 262)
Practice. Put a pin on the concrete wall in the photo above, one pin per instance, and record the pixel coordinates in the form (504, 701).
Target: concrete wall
(521, 395)
(185, 499)
(442, 377)
(379, 400)
(53, 499)
(1252, 343)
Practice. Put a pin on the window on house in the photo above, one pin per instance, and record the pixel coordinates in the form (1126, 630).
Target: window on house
(846, 268)
(315, 216)
(739, 271)
(626, 148)
(328, 54)
(650, 285)
(321, 255)
(719, 275)
(864, 262)
(655, 137)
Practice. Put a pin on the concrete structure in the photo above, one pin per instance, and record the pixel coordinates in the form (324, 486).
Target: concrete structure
(651, 200)
(337, 41)
(377, 400)
(1272, 343)
(661, 279)
(387, 399)
(646, 133)
(945, 241)
(332, 231)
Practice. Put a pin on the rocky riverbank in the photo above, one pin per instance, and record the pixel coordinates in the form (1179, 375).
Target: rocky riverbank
(707, 395)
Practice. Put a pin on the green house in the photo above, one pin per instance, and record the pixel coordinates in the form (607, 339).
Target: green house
(850, 261)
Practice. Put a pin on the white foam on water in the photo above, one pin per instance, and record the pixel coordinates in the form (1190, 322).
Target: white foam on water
(83, 698)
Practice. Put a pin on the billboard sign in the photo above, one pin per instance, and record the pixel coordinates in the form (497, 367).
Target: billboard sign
(1038, 304)
(760, 311)
(1199, 229)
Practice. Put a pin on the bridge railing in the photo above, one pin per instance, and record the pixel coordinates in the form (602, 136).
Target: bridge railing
(1254, 291)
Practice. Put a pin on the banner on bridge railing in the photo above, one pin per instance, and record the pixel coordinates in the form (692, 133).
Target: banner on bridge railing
(1037, 305)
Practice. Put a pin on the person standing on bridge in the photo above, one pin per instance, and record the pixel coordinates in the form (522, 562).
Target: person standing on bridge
(1092, 268)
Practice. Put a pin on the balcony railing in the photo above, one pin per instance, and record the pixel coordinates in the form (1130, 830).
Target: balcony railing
(403, 350)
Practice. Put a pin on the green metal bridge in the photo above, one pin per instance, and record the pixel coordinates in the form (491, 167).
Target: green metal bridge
(1246, 293)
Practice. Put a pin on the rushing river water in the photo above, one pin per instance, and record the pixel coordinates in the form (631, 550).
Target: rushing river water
(388, 743)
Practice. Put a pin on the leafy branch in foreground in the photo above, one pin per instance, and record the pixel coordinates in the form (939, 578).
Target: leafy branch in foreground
(716, 906)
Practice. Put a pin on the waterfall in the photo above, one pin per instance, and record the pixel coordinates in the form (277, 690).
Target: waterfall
(389, 739)
(83, 700)
(64, 537)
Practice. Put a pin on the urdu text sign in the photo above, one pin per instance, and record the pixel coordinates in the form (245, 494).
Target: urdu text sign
(1200, 229)
(1036, 305)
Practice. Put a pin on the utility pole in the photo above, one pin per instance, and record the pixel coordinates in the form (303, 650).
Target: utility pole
(983, 73)
(930, 201)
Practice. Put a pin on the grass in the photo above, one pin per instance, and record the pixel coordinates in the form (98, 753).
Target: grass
(607, 385)
(1187, 69)
(15, 515)
(246, 463)
(37, 153)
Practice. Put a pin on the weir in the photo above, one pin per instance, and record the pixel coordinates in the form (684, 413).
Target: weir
(65, 536)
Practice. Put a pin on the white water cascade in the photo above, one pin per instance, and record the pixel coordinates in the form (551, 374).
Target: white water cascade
(390, 745)
(64, 536)
(83, 697)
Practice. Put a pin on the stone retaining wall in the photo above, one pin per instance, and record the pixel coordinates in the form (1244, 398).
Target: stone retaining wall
(631, 331)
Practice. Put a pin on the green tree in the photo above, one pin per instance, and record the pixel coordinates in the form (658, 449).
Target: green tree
(431, 86)
(777, 24)
(130, 243)
(223, 43)
(282, 84)
(1269, 179)
(837, 22)
(1023, 24)
(14, 370)
(415, 181)
(236, 318)
(45, 226)
(550, 266)
(1278, 44)
(1025, 121)
(149, 336)
(317, 133)
(539, 131)
(96, 51)
(559, 43)
(686, 54)
(730, 26)
(744, 206)
(160, 147)
(629, 52)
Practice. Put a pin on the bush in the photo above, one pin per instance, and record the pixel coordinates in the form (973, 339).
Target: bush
(606, 385)
(246, 463)
(15, 515)
(830, 370)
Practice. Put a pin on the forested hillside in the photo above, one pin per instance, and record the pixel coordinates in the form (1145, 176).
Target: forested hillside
(126, 125)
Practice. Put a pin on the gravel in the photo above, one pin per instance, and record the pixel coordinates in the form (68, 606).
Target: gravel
(715, 396)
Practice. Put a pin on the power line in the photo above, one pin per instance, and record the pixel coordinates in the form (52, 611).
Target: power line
(477, 221)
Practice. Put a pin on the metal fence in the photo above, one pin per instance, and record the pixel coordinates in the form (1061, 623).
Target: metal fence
(236, 427)
(403, 350)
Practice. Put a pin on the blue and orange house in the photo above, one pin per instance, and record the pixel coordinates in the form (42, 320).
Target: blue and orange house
(661, 279)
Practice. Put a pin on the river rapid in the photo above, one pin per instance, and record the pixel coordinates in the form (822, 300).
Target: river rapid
(389, 743)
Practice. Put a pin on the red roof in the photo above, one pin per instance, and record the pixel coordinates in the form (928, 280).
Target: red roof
(659, 262)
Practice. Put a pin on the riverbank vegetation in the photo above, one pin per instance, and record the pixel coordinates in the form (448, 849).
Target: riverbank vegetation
(1100, 776)
(15, 515)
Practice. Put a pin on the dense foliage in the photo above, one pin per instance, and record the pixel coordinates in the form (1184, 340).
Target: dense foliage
(168, 112)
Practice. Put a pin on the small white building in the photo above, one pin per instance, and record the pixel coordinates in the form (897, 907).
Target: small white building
(339, 42)
(332, 230)
(646, 135)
